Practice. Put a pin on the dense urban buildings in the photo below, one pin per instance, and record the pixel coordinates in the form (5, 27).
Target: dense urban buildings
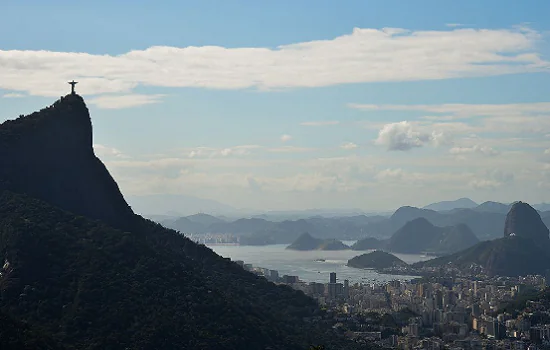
(432, 312)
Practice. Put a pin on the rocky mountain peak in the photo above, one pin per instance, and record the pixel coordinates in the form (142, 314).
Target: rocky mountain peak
(524, 221)
(49, 155)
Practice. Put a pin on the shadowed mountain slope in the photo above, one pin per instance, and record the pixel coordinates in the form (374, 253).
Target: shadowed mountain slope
(522, 251)
(419, 235)
(87, 271)
(49, 155)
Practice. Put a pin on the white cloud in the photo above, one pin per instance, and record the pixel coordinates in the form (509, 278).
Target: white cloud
(485, 150)
(105, 151)
(484, 184)
(238, 150)
(320, 123)
(454, 25)
(509, 118)
(459, 110)
(441, 138)
(364, 55)
(390, 174)
(349, 146)
(403, 136)
(286, 138)
(290, 149)
(335, 181)
(492, 179)
(210, 152)
(13, 95)
(124, 101)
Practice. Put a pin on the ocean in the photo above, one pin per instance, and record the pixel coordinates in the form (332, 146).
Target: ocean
(303, 264)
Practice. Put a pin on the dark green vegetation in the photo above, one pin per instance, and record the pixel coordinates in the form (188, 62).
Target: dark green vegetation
(307, 242)
(59, 162)
(522, 251)
(512, 256)
(86, 271)
(375, 260)
(15, 335)
(419, 235)
(531, 305)
(522, 299)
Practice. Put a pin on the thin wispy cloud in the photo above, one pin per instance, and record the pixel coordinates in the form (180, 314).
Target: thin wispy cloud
(213, 152)
(124, 101)
(484, 150)
(286, 137)
(364, 55)
(291, 149)
(13, 95)
(476, 118)
(106, 151)
(320, 123)
(462, 110)
(349, 146)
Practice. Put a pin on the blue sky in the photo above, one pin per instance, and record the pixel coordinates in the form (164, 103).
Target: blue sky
(294, 105)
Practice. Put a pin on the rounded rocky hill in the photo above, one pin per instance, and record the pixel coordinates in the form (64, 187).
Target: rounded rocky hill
(376, 260)
(524, 221)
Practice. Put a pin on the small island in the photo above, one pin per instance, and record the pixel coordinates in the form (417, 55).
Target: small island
(376, 260)
(368, 243)
(308, 242)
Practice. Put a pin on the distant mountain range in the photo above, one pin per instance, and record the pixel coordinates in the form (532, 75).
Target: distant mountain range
(420, 236)
(486, 221)
(461, 203)
(269, 232)
(523, 249)
(166, 206)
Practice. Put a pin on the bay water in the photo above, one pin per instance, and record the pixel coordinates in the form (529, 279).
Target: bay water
(306, 264)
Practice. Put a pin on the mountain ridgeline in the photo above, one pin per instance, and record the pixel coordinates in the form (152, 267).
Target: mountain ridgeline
(525, 221)
(420, 236)
(523, 250)
(376, 260)
(461, 203)
(486, 222)
(81, 267)
(59, 165)
(307, 242)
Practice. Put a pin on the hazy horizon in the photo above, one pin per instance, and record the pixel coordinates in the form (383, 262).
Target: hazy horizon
(290, 106)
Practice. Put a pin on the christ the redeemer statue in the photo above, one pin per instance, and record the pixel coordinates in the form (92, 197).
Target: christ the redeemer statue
(72, 83)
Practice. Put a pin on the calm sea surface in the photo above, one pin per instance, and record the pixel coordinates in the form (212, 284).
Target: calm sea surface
(303, 264)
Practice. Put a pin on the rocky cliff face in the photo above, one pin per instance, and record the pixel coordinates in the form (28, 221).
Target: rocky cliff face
(524, 221)
(49, 155)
